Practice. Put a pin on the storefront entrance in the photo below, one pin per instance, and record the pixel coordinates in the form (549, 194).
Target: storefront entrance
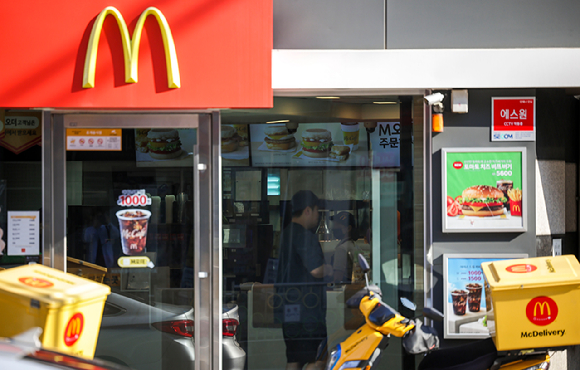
(132, 203)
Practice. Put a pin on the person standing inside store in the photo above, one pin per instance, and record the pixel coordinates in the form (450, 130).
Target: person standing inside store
(344, 228)
(301, 273)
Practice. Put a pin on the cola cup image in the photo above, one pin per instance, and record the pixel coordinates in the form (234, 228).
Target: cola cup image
(133, 225)
(459, 302)
(474, 296)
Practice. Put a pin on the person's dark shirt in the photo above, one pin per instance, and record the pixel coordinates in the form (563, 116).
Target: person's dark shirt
(300, 253)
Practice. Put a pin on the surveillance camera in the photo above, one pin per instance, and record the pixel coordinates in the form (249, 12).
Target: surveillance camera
(370, 126)
(292, 127)
(434, 98)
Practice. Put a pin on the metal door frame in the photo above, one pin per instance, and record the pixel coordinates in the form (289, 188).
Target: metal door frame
(207, 201)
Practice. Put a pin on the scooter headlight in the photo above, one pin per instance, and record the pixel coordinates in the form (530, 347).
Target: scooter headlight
(333, 358)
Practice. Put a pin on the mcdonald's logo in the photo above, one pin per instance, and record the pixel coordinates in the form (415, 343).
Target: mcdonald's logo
(522, 268)
(131, 47)
(542, 311)
(517, 208)
(74, 329)
(35, 282)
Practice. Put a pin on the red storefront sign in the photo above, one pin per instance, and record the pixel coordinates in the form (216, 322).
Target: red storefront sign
(136, 54)
(513, 119)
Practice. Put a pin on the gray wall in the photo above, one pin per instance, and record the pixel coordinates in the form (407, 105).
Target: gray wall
(474, 130)
(329, 24)
(425, 24)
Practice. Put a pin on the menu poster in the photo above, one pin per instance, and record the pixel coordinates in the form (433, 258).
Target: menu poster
(235, 143)
(386, 145)
(465, 305)
(165, 147)
(484, 190)
(3, 216)
(23, 233)
(312, 145)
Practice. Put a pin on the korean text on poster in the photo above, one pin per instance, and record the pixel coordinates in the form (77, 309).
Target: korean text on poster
(386, 145)
(466, 307)
(513, 119)
(483, 190)
(23, 233)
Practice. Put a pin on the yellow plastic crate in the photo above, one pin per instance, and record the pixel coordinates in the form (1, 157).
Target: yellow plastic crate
(534, 302)
(68, 308)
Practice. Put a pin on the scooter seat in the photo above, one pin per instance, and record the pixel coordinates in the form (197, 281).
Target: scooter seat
(473, 356)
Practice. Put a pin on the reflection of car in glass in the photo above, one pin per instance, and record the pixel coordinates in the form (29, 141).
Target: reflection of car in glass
(23, 352)
(158, 337)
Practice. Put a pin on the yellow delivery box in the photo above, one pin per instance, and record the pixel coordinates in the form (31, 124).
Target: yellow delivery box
(534, 302)
(68, 308)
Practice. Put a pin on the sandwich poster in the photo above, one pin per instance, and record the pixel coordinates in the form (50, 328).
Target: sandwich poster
(235, 145)
(164, 147)
(484, 190)
(310, 145)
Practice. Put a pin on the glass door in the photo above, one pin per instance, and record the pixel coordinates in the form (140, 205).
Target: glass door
(135, 187)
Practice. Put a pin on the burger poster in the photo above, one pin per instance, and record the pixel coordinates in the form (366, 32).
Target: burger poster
(483, 190)
(164, 147)
(310, 145)
(235, 145)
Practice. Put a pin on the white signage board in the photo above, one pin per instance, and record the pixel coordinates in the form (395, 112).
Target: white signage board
(23, 233)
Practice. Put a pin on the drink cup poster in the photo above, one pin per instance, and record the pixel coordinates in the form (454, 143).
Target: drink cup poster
(484, 190)
(465, 304)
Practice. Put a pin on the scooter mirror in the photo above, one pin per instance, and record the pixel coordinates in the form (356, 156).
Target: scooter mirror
(433, 314)
(408, 304)
(364, 265)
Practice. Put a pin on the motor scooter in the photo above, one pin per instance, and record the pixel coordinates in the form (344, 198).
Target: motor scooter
(363, 348)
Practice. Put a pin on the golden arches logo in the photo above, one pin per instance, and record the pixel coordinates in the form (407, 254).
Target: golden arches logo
(542, 306)
(542, 311)
(516, 208)
(74, 329)
(131, 47)
(35, 282)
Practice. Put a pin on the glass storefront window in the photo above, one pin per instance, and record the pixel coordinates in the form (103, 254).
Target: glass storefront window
(307, 186)
(20, 187)
(130, 217)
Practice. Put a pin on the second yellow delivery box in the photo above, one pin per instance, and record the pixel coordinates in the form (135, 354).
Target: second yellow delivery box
(534, 302)
(68, 308)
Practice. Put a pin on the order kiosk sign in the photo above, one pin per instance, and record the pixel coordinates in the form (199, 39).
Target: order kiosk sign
(513, 119)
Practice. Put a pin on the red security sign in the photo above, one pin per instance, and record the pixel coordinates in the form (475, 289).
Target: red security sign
(513, 119)
(542, 311)
(74, 329)
(521, 268)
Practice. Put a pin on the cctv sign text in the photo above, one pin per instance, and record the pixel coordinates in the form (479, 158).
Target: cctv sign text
(513, 119)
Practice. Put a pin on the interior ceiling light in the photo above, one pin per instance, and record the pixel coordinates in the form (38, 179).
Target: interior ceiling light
(279, 121)
(327, 97)
(384, 102)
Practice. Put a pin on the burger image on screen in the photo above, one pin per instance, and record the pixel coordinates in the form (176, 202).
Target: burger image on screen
(316, 142)
(339, 152)
(141, 140)
(278, 138)
(230, 139)
(242, 131)
(164, 143)
(482, 200)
